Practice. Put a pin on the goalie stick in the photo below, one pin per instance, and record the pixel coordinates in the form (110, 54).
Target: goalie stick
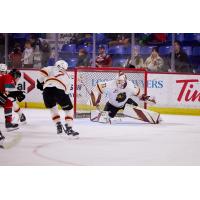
(92, 97)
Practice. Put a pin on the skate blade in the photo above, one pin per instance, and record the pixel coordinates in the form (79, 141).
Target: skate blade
(23, 123)
(71, 137)
(11, 129)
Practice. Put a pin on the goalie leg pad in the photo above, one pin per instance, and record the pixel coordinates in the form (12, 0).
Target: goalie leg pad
(141, 114)
(99, 116)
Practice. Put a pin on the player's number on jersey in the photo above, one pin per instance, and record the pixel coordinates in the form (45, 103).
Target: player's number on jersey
(121, 97)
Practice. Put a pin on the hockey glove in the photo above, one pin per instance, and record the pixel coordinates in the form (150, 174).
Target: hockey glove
(21, 97)
(40, 85)
(17, 95)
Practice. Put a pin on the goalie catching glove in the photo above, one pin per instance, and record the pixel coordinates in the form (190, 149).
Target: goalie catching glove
(147, 99)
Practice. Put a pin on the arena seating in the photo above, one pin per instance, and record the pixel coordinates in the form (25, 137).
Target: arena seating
(119, 53)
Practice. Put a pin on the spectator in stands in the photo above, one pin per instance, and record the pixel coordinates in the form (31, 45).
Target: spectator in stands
(83, 58)
(45, 52)
(137, 61)
(120, 39)
(16, 57)
(27, 56)
(103, 59)
(66, 37)
(37, 57)
(154, 62)
(33, 40)
(181, 59)
(152, 38)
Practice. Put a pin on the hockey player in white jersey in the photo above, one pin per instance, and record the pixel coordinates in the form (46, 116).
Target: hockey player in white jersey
(119, 93)
(55, 84)
(16, 107)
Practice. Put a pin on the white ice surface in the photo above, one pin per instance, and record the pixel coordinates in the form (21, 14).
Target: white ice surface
(176, 141)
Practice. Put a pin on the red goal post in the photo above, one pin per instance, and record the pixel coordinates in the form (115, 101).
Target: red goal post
(86, 78)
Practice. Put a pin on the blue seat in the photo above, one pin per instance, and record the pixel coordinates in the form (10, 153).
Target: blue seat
(196, 57)
(72, 62)
(51, 62)
(196, 51)
(165, 50)
(119, 62)
(180, 37)
(69, 48)
(198, 69)
(187, 50)
(169, 37)
(100, 36)
(118, 49)
(146, 50)
(190, 37)
(198, 37)
(20, 35)
(127, 50)
(87, 48)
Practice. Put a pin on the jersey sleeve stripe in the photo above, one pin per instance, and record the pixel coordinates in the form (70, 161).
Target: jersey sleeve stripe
(44, 72)
(59, 75)
(54, 79)
(9, 86)
(68, 118)
(56, 117)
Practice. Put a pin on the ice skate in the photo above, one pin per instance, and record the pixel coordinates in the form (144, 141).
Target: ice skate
(59, 127)
(70, 132)
(11, 126)
(22, 119)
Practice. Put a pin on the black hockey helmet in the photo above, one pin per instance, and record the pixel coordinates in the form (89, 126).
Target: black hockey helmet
(15, 73)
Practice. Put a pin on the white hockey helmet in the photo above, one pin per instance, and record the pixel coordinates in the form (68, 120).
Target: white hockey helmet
(61, 65)
(121, 80)
(3, 68)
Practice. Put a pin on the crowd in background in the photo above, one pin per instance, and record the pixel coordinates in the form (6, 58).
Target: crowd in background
(36, 51)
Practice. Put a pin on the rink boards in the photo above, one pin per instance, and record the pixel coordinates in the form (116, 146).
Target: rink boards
(175, 93)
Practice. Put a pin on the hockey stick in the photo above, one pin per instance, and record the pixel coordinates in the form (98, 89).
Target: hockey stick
(87, 90)
(10, 144)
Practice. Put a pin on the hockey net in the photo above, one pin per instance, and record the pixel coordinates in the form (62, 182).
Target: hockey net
(86, 79)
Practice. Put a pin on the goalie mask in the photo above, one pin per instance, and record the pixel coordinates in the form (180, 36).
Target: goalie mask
(121, 80)
(61, 65)
(3, 68)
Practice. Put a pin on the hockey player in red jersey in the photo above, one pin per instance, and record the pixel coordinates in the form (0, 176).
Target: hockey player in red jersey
(16, 108)
(7, 91)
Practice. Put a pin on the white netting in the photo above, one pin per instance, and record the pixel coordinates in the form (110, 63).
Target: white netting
(86, 80)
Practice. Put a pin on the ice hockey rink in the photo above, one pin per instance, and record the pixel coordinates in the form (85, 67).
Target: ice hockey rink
(176, 141)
